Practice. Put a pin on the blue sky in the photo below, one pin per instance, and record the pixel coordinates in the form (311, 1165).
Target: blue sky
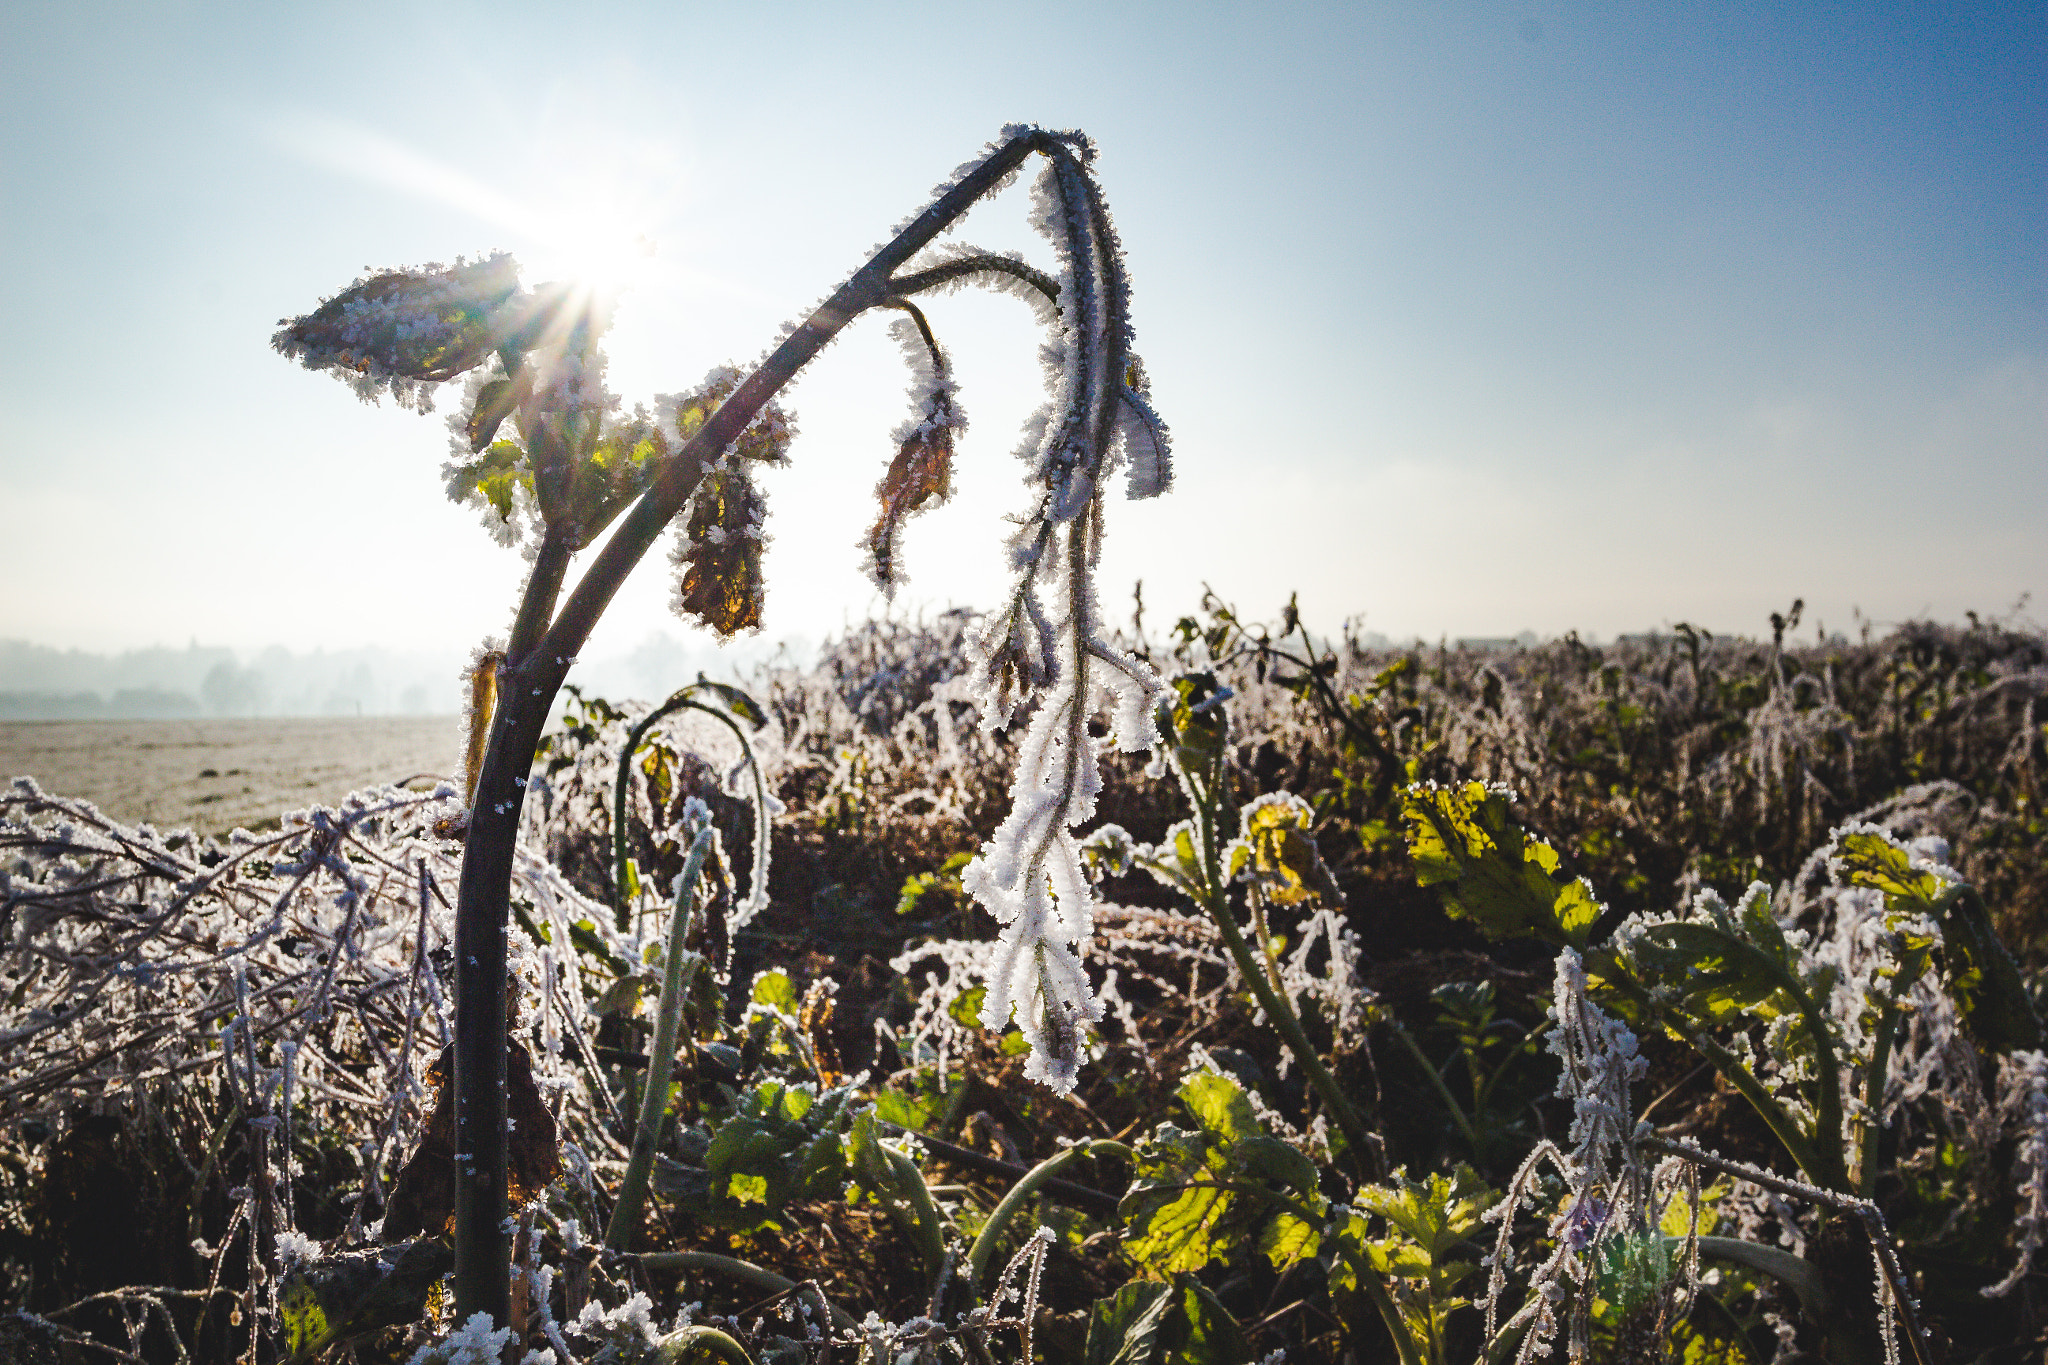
(1468, 319)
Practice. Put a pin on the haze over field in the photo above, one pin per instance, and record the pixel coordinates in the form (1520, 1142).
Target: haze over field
(40, 683)
(1472, 319)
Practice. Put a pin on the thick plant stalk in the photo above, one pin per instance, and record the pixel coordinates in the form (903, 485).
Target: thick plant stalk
(677, 969)
(538, 662)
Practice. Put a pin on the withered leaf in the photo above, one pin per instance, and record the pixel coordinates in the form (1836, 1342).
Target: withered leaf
(423, 1199)
(721, 559)
(815, 1019)
(921, 475)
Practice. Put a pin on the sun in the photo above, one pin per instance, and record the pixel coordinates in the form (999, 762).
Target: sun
(603, 253)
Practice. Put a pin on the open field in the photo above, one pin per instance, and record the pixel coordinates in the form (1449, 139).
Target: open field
(215, 775)
(1419, 936)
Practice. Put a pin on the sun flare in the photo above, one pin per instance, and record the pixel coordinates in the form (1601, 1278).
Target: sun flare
(602, 253)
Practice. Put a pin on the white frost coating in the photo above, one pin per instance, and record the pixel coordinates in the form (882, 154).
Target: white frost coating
(1600, 1064)
(934, 397)
(2024, 1099)
(920, 475)
(1031, 876)
(475, 1342)
(296, 1248)
(1608, 1189)
(1044, 309)
(629, 1330)
(1146, 444)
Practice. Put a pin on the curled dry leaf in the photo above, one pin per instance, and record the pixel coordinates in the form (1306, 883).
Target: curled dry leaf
(721, 555)
(920, 476)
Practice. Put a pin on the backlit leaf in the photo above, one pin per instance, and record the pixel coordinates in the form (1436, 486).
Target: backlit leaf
(721, 556)
(1488, 870)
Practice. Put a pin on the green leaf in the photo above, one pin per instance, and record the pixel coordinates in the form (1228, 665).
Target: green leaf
(892, 1180)
(1714, 975)
(1212, 1193)
(1988, 988)
(1424, 1250)
(781, 1144)
(915, 1112)
(338, 1299)
(1174, 862)
(1123, 1329)
(1287, 1239)
(1488, 870)
(775, 989)
(735, 701)
(1220, 1105)
(965, 1008)
(1978, 971)
(1203, 1332)
(1192, 718)
(1275, 843)
(1869, 857)
(1148, 1321)
(621, 997)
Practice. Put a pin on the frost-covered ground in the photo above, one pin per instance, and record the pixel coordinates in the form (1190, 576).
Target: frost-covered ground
(213, 775)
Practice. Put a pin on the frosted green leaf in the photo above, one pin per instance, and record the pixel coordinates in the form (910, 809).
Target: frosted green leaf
(774, 988)
(1488, 870)
(1214, 1193)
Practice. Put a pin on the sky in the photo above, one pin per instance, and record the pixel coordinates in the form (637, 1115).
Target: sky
(1468, 319)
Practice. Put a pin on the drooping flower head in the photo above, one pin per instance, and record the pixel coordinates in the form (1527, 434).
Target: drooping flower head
(404, 331)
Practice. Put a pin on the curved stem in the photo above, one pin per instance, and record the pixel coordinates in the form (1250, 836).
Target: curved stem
(1436, 1079)
(1874, 1073)
(619, 785)
(984, 1248)
(676, 972)
(966, 266)
(1390, 1313)
(1795, 1272)
(1356, 1137)
(677, 1347)
(746, 1272)
(1775, 1115)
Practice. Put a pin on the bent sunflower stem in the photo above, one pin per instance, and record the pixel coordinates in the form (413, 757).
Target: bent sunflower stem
(483, 1280)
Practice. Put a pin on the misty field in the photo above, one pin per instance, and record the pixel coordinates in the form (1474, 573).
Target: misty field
(215, 775)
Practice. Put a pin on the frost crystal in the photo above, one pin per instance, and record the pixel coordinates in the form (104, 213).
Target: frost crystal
(476, 1342)
(1031, 875)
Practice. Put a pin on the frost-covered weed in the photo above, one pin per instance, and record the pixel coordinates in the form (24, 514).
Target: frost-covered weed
(2023, 1102)
(303, 971)
(1607, 1185)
